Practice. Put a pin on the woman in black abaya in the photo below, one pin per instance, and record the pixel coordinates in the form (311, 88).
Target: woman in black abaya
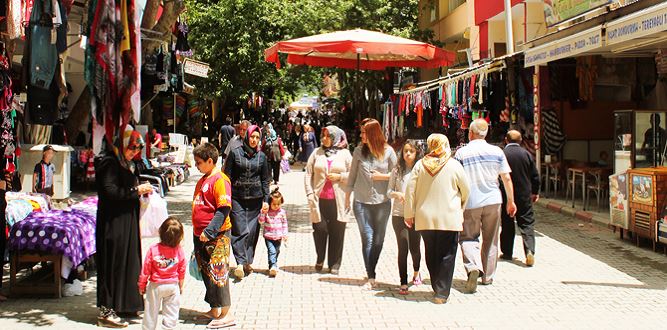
(117, 237)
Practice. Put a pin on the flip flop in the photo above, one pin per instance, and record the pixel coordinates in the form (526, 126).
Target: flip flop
(220, 325)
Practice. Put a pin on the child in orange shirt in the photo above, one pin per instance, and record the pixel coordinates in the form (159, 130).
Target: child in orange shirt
(211, 205)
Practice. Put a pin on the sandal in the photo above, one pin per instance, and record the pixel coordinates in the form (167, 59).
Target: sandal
(417, 280)
(220, 324)
(403, 290)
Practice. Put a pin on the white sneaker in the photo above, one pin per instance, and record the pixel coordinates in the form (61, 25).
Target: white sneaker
(369, 285)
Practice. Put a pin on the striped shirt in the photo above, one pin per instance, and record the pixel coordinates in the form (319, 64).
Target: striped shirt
(275, 224)
(483, 163)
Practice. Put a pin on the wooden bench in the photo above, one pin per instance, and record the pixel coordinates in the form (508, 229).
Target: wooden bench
(32, 288)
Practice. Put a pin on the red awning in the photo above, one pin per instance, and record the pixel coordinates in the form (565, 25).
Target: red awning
(359, 49)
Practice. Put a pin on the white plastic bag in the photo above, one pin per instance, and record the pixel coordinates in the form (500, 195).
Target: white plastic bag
(153, 213)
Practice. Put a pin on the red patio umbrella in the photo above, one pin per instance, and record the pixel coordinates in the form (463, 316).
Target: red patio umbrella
(359, 49)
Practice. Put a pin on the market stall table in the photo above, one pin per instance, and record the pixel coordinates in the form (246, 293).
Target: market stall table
(67, 238)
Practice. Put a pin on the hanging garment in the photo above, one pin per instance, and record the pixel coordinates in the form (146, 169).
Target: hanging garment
(553, 138)
(182, 46)
(43, 52)
(14, 10)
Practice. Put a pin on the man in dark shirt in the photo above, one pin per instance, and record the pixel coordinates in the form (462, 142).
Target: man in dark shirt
(526, 182)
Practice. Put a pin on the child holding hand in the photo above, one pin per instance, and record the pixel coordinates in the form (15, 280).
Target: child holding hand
(274, 222)
(162, 275)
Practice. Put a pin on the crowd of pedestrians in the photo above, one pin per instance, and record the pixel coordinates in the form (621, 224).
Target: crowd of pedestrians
(444, 198)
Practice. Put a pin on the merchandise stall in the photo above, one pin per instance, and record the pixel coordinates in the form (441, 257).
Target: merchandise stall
(64, 237)
(449, 104)
(640, 179)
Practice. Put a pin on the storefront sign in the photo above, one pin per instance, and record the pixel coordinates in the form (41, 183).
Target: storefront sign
(556, 11)
(643, 23)
(567, 47)
(196, 68)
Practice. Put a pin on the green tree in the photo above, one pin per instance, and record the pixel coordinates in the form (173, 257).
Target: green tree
(232, 35)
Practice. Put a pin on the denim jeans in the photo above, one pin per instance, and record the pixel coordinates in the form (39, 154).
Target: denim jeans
(273, 249)
(372, 220)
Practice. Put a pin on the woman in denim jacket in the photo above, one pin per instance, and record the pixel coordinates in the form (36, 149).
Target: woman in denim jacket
(248, 170)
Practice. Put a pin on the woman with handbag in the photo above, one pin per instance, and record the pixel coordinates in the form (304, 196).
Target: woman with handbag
(326, 173)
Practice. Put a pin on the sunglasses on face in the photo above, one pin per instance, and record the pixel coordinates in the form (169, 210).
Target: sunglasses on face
(135, 147)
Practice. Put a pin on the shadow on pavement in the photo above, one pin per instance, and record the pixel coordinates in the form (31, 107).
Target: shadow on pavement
(416, 296)
(355, 282)
(299, 270)
(616, 253)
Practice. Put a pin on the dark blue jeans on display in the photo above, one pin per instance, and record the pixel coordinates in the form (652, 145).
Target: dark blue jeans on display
(245, 229)
(372, 220)
(273, 249)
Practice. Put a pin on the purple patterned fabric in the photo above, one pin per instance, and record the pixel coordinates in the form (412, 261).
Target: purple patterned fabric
(67, 233)
(88, 205)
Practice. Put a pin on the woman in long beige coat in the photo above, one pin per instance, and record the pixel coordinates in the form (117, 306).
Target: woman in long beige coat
(326, 171)
(434, 201)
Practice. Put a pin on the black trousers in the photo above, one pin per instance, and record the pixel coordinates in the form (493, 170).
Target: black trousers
(245, 229)
(215, 296)
(329, 228)
(525, 219)
(407, 239)
(275, 167)
(440, 247)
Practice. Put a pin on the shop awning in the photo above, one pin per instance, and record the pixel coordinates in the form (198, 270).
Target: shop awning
(643, 28)
(576, 44)
(639, 33)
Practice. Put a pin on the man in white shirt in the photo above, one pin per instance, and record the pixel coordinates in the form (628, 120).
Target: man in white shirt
(483, 164)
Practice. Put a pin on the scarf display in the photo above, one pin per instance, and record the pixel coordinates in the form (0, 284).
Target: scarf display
(112, 64)
(439, 154)
(250, 151)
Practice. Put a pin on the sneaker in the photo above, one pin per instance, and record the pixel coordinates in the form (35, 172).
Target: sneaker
(239, 273)
(530, 259)
(273, 271)
(108, 319)
(471, 284)
(319, 267)
(334, 271)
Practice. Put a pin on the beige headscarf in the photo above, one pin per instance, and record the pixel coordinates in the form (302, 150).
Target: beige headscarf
(439, 153)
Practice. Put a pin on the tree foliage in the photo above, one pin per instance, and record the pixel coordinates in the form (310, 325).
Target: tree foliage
(232, 35)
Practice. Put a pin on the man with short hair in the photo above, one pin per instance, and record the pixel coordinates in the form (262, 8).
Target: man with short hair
(483, 163)
(526, 184)
(42, 177)
(237, 140)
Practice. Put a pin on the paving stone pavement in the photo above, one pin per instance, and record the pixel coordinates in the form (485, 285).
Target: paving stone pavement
(584, 277)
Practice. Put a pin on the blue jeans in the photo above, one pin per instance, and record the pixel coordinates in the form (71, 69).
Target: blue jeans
(273, 248)
(372, 220)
